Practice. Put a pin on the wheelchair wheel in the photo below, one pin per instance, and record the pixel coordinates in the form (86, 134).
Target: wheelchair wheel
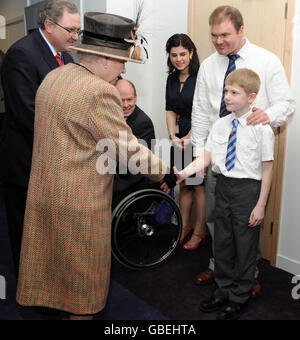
(146, 229)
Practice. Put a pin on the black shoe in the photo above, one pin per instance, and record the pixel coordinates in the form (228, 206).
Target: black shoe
(47, 311)
(232, 311)
(213, 304)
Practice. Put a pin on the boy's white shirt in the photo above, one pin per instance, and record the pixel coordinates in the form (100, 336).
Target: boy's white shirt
(255, 144)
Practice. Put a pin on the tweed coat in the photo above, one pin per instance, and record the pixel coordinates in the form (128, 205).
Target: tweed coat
(66, 247)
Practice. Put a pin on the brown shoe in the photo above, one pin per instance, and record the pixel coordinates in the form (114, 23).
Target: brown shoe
(256, 290)
(205, 278)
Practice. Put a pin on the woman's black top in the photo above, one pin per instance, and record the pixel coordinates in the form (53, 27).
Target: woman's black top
(181, 102)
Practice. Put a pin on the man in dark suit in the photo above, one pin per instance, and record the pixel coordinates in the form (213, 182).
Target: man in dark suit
(142, 127)
(1, 91)
(25, 65)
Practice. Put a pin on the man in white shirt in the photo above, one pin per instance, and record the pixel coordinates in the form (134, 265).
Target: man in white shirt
(274, 103)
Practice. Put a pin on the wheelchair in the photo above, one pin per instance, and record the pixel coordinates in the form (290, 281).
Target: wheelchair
(146, 229)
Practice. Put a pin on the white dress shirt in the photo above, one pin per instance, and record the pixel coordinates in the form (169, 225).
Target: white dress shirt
(255, 144)
(274, 97)
(48, 43)
(51, 47)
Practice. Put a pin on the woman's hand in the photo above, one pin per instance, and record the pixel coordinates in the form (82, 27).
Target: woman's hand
(186, 141)
(178, 142)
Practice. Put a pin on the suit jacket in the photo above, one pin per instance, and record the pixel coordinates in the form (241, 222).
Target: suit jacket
(25, 65)
(142, 127)
(66, 247)
(2, 109)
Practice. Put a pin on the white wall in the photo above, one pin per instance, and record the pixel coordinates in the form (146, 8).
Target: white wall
(289, 244)
(158, 26)
(90, 6)
(12, 9)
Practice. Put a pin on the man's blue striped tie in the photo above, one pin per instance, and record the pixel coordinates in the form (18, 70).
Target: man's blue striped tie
(231, 68)
(231, 149)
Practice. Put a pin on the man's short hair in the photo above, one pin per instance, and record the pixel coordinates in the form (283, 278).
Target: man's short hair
(130, 83)
(245, 78)
(54, 10)
(223, 13)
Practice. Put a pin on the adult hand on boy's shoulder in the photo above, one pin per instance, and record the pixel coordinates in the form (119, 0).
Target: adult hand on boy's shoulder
(257, 216)
(258, 117)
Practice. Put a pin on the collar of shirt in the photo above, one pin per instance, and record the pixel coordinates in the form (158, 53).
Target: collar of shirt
(47, 42)
(243, 52)
(243, 119)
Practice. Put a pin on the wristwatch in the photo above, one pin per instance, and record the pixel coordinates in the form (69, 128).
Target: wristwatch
(171, 135)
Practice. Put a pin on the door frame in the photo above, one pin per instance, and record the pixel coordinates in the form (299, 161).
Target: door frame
(275, 201)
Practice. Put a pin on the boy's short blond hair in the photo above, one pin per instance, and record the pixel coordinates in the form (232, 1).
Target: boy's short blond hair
(245, 78)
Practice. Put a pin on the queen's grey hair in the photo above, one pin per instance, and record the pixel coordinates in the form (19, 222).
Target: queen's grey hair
(54, 10)
(86, 56)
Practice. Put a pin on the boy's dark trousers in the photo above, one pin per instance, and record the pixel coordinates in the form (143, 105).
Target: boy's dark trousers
(235, 242)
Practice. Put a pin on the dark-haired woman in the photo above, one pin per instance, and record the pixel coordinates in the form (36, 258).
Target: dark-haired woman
(183, 63)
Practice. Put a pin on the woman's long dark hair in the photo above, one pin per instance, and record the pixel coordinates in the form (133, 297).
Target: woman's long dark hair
(186, 42)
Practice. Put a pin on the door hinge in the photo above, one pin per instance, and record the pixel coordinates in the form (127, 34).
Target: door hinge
(286, 10)
(272, 227)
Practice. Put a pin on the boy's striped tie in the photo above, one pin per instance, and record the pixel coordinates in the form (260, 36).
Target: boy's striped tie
(231, 150)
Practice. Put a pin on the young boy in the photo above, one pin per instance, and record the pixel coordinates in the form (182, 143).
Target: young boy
(242, 155)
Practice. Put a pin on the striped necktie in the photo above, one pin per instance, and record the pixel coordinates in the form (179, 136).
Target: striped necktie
(231, 68)
(59, 59)
(231, 149)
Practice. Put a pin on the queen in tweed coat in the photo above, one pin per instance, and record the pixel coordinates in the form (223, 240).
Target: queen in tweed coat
(66, 248)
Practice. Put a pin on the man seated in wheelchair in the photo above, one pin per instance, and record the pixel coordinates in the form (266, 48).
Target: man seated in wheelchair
(142, 127)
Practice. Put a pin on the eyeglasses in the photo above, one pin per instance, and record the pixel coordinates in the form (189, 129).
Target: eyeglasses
(71, 31)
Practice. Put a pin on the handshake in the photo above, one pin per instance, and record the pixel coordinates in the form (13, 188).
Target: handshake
(171, 179)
